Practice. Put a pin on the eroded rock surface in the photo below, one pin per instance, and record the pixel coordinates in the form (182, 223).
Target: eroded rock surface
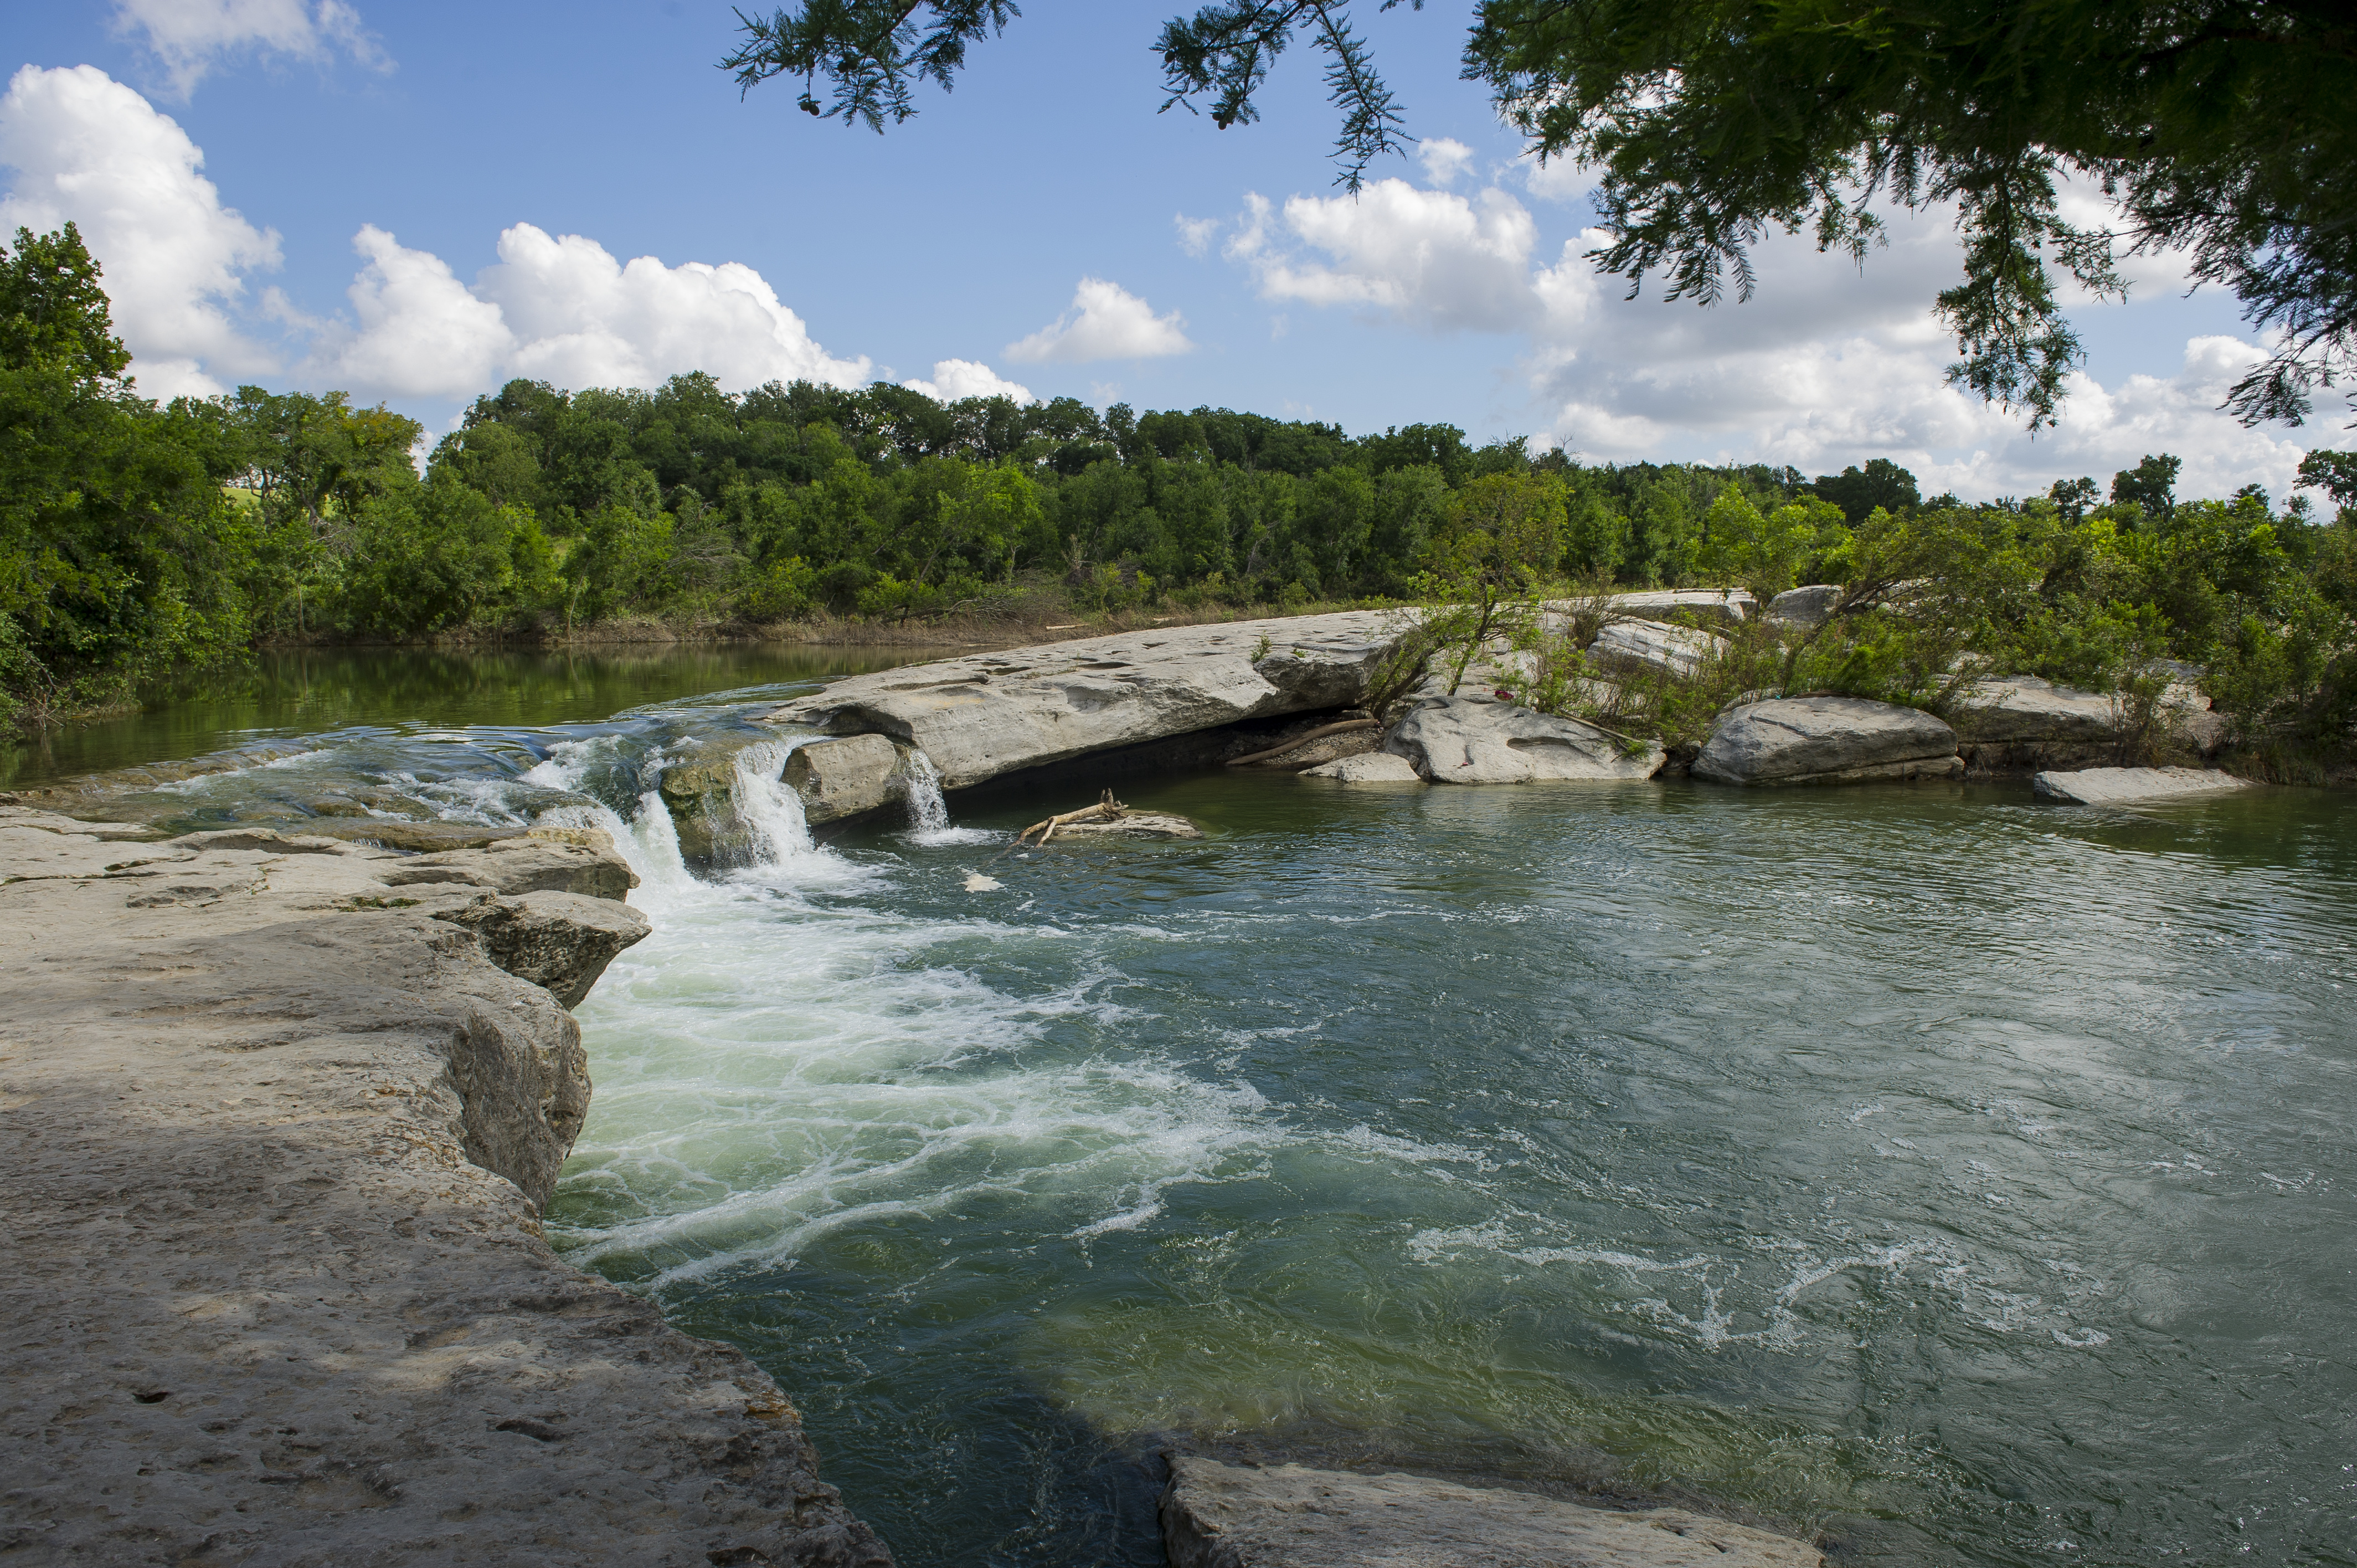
(1475, 740)
(1678, 651)
(992, 714)
(1826, 740)
(1289, 1516)
(837, 779)
(1372, 768)
(1812, 605)
(276, 1291)
(2126, 786)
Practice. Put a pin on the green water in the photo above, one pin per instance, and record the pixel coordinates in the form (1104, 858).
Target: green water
(1964, 1178)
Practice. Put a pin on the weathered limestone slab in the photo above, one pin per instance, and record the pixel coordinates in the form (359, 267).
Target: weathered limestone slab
(1651, 604)
(1826, 740)
(1288, 1516)
(276, 1292)
(1474, 740)
(1372, 768)
(990, 714)
(838, 778)
(2126, 786)
(1810, 605)
(518, 865)
(1677, 650)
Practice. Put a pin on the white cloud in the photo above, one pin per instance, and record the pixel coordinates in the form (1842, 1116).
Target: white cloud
(422, 332)
(1431, 258)
(190, 37)
(582, 318)
(1557, 179)
(1445, 160)
(955, 379)
(1195, 233)
(1104, 321)
(90, 150)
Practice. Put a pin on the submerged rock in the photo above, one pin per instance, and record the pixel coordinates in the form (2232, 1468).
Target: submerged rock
(837, 779)
(992, 714)
(1678, 651)
(1289, 1516)
(1826, 740)
(1472, 740)
(2126, 786)
(1369, 768)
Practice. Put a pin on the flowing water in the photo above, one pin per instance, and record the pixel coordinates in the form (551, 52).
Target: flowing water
(1965, 1178)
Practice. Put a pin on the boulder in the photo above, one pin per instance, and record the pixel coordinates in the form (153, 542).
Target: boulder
(1826, 740)
(1291, 1516)
(1474, 740)
(1678, 651)
(1373, 768)
(560, 940)
(1811, 606)
(837, 779)
(991, 713)
(1731, 604)
(2020, 723)
(700, 793)
(2126, 786)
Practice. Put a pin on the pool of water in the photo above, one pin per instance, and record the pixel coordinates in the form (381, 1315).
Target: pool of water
(1965, 1178)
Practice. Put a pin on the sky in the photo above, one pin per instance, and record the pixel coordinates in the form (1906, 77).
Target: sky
(416, 202)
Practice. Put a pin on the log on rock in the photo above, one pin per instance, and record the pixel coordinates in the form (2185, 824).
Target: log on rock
(1345, 727)
(1108, 819)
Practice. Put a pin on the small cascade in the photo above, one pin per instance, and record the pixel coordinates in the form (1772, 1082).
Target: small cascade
(771, 812)
(928, 812)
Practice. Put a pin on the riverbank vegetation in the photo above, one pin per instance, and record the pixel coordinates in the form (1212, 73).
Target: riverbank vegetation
(139, 539)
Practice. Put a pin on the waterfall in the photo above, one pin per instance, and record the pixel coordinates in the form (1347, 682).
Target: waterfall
(928, 812)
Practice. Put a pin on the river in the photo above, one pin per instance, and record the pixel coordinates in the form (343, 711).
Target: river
(1965, 1178)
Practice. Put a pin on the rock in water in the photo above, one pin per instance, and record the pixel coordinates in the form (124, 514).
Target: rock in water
(1472, 740)
(1286, 1516)
(837, 779)
(560, 940)
(1826, 740)
(1129, 825)
(1677, 650)
(2126, 786)
(1372, 768)
(990, 714)
(1811, 606)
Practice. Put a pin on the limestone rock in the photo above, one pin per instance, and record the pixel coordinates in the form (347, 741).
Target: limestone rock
(837, 779)
(700, 793)
(1807, 606)
(1826, 740)
(1289, 1516)
(1373, 768)
(560, 940)
(518, 865)
(1651, 604)
(2126, 786)
(424, 837)
(1678, 651)
(276, 1288)
(1472, 740)
(991, 713)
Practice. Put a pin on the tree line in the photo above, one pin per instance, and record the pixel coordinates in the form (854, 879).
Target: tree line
(142, 539)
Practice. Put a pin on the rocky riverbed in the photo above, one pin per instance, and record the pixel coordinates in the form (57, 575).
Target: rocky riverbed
(283, 1113)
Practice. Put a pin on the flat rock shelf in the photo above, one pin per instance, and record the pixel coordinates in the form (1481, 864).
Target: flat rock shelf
(282, 1113)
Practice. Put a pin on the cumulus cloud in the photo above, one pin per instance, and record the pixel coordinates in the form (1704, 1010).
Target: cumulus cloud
(422, 332)
(1104, 321)
(1444, 160)
(189, 38)
(1195, 233)
(955, 379)
(90, 150)
(1429, 257)
(1827, 365)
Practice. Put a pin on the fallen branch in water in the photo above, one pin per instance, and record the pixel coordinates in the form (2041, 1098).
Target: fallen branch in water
(1106, 809)
(1301, 740)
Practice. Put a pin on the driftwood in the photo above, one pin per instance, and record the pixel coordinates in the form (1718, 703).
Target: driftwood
(1301, 740)
(1106, 809)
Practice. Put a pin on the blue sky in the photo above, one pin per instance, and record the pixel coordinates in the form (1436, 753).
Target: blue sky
(1042, 227)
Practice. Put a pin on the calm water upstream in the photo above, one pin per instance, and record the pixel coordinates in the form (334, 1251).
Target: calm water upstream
(1967, 1178)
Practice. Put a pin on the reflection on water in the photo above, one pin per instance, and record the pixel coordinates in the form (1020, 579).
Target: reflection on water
(290, 694)
(1962, 1177)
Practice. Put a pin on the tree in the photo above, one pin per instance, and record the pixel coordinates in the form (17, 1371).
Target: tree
(1857, 491)
(53, 310)
(2225, 130)
(2151, 485)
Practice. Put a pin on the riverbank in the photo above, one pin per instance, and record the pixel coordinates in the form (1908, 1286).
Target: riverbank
(283, 1113)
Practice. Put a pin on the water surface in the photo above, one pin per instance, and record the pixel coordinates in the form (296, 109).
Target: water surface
(1962, 1177)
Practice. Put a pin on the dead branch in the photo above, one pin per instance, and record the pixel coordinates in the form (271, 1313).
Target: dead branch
(1301, 740)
